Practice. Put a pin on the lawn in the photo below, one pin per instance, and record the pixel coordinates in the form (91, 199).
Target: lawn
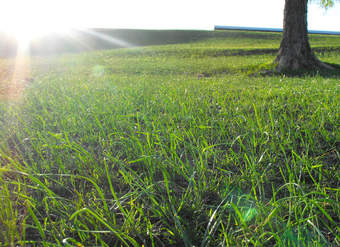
(171, 145)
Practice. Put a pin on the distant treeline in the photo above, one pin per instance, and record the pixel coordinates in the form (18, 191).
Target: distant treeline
(100, 39)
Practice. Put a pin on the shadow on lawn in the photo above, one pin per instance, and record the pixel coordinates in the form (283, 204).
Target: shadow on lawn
(268, 70)
(268, 51)
(325, 73)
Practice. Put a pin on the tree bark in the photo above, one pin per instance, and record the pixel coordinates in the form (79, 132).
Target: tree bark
(295, 52)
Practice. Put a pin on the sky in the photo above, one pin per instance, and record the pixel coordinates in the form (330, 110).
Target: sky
(41, 15)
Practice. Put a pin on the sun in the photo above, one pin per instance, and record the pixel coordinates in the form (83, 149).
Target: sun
(29, 20)
(26, 31)
(24, 34)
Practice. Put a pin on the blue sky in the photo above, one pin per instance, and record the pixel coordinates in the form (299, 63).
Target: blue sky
(23, 15)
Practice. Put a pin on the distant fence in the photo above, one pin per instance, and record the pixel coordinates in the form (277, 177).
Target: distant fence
(262, 29)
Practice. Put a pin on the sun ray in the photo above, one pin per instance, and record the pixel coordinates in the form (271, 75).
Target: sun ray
(21, 75)
(107, 38)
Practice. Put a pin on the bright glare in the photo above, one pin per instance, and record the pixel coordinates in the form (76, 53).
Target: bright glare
(29, 20)
(29, 31)
(26, 21)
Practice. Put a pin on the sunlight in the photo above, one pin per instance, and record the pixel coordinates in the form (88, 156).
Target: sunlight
(20, 77)
(15, 76)
(27, 32)
(27, 21)
(107, 38)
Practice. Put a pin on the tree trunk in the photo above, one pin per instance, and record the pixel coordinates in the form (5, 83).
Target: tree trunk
(295, 52)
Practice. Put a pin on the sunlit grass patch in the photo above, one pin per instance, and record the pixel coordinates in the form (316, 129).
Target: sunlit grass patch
(152, 147)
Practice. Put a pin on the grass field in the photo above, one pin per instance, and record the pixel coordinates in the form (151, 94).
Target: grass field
(170, 145)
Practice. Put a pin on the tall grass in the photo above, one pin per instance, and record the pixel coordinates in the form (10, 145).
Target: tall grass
(155, 147)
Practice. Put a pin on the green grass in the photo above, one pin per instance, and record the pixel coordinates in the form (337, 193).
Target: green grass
(172, 145)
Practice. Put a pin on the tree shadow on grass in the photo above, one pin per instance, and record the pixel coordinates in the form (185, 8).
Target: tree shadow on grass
(270, 70)
(321, 72)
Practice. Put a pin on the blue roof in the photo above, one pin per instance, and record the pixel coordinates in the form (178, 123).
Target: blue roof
(263, 29)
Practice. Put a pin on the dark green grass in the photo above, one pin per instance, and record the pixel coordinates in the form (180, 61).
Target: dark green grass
(172, 146)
